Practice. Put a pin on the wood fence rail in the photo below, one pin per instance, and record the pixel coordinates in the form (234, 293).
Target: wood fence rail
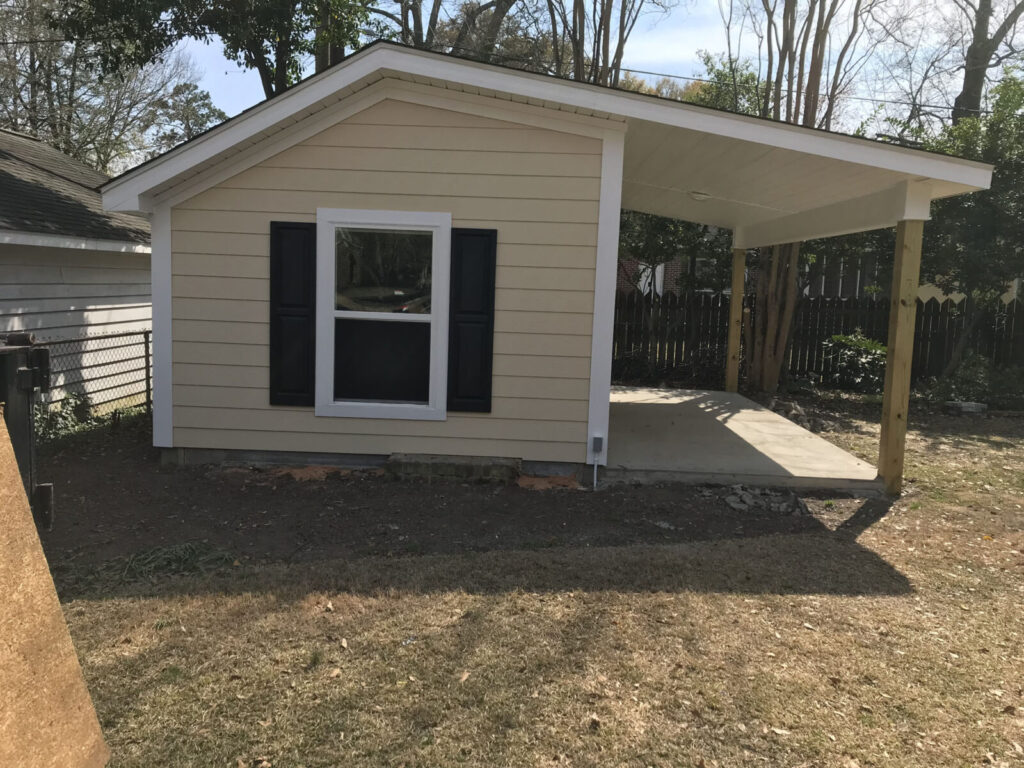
(688, 332)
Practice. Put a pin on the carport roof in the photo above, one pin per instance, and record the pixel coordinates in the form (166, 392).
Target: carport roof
(767, 181)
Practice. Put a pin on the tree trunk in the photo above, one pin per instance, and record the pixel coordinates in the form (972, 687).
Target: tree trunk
(979, 52)
(775, 305)
(960, 348)
(323, 35)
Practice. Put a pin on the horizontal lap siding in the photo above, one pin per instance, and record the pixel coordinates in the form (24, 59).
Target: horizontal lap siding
(59, 293)
(538, 188)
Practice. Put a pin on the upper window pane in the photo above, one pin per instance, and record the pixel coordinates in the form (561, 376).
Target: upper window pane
(383, 270)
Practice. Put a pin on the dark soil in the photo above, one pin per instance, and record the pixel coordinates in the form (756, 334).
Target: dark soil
(114, 500)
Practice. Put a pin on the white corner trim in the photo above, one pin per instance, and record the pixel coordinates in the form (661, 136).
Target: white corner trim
(906, 200)
(73, 243)
(440, 225)
(613, 152)
(160, 275)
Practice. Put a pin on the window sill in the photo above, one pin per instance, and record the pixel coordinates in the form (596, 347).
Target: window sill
(353, 410)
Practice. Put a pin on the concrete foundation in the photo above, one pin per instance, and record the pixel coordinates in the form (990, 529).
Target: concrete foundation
(469, 467)
(478, 469)
(186, 457)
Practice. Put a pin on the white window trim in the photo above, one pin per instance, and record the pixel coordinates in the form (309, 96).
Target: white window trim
(440, 225)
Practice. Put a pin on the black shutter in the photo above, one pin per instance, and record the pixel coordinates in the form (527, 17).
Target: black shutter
(471, 319)
(292, 312)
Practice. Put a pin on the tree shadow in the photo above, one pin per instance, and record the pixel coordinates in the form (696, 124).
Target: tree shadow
(773, 556)
(302, 529)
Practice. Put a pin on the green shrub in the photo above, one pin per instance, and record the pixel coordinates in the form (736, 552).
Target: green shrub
(857, 363)
(976, 380)
(70, 415)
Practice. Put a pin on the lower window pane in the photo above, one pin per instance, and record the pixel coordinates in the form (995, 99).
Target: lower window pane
(381, 361)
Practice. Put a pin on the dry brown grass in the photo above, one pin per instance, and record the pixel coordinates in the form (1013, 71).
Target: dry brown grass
(897, 647)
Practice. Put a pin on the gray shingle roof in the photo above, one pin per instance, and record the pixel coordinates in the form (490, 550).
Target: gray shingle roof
(44, 191)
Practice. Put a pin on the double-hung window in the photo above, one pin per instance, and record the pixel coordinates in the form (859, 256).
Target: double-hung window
(382, 313)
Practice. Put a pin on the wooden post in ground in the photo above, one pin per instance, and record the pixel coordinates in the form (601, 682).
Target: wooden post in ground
(906, 274)
(732, 360)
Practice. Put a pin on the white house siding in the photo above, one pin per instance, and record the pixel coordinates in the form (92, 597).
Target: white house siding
(538, 188)
(65, 294)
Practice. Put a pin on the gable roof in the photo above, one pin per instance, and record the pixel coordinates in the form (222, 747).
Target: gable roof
(681, 160)
(45, 192)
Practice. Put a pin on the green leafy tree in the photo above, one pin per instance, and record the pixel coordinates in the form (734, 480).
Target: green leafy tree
(732, 87)
(54, 90)
(652, 240)
(974, 244)
(181, 115)
(729, 85)
(271, 36)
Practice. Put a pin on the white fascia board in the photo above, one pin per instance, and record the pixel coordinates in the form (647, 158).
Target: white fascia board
(906, 200)
(128, 192)
(72, 243)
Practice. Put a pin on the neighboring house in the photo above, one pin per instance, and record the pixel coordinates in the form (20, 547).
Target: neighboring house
(416, 253)
(68, 268)
(637, 275)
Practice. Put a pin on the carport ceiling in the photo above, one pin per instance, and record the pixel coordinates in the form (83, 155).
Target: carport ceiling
(728, 182)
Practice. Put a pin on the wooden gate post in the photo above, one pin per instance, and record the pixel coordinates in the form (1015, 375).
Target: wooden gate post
(906, 273)
(732, 359)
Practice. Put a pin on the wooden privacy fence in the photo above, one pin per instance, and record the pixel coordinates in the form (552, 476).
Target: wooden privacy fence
(689, 331)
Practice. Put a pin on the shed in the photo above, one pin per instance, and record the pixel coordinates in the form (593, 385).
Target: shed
(416, 253)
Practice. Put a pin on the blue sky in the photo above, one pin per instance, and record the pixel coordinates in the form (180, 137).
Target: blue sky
(661, 43)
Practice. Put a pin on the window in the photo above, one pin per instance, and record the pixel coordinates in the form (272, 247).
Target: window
(382, 313)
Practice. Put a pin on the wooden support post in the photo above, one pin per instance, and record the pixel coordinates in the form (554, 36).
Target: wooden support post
(906, 273)
(732, 360)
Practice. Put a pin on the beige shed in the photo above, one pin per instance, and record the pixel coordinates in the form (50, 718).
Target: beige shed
(416, 253)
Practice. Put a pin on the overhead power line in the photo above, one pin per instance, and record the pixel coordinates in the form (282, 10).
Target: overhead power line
(522, 60)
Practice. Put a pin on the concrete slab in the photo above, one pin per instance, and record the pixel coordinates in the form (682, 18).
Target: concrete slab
(719, 437)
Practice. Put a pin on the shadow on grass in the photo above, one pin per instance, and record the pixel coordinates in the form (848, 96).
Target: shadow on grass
(128, 526)
(811, 560)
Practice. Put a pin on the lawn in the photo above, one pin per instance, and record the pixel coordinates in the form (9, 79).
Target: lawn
(235, 617)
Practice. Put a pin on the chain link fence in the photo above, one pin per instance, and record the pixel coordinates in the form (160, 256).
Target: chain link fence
(92, 376)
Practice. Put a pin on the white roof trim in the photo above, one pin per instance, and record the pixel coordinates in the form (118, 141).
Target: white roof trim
(129, 191)
(75, 243)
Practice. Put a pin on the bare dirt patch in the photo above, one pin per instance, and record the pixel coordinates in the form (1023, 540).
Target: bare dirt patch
(229, 618)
